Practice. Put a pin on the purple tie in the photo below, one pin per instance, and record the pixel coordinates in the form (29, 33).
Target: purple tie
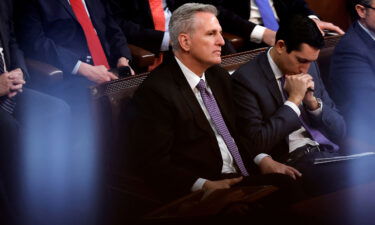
(214, 111)
(266, 12)
(315, 134)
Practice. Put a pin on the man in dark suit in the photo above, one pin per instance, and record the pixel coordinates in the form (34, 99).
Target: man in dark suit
(61, 32)
(286, 114)
(244, 18)
(23, 127)
(352, 77)
(183, 136)
(136, 20)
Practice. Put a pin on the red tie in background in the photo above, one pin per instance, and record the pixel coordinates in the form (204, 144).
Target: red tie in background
(157, 12)
(158, 17)
(93, 42)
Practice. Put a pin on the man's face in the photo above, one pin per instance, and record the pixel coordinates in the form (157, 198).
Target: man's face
(205, 40)
(367, 15)
(297, 62)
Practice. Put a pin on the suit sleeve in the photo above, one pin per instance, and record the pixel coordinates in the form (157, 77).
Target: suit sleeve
(261, 133)
(115, 37)
(151, 140)
(330, 121)
(136, 33)
(38, 45)
(353, 89)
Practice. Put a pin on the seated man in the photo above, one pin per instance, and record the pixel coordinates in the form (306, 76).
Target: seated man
(183, 135)
(25, 134)
(258, 20)
(353, 77)
(145, 22)
(78, 37)
(286, 114)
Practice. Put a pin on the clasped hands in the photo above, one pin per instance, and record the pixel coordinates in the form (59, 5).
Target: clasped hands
(300, 88)
(11, 83)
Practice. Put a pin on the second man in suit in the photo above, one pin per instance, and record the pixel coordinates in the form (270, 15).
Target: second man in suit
(286, 114)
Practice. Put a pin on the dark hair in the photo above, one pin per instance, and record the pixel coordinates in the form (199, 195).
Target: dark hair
(298, 30)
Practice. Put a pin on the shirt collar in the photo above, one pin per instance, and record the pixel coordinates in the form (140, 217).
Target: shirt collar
(372, 34)
(275, 69)
(190, 76)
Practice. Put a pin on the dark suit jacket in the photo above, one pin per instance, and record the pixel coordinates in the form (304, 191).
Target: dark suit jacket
(353, 82)
(135, 20)
(50, 32)
(234, 16)
(265, 121)
(12, 54)
(171, 140)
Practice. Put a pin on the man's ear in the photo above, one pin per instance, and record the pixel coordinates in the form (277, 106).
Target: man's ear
(280, 46)
(361, 11)
(184, 40)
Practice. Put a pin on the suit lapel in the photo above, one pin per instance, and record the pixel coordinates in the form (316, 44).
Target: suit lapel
(272, 85)
(68, 8)
(190, 98)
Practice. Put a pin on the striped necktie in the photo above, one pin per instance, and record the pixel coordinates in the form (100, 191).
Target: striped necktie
(217, 118)
(7, 104)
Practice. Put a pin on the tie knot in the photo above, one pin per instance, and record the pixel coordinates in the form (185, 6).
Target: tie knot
(201, 85)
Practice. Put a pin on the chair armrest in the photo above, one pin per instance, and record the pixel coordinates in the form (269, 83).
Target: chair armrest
(236, 41)
(141, 57)
(43, 70)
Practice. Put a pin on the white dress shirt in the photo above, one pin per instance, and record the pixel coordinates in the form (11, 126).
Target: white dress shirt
(372, 34)
(228, 163)
(297, 138)
(256, 35)
(166, 38)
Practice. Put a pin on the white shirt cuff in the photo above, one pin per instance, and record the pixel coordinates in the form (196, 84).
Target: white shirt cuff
(317, 111)
(313, 17)
(259, 158)
(293, 106)
(256, 35)
(198, 185)
(76, 67)
(165, 43)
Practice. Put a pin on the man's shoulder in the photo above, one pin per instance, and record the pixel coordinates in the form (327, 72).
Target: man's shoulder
(251, 70)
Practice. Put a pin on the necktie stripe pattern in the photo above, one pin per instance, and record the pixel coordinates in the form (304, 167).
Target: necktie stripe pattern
(217, 118)
(268, 17)
(93, 41)
(6, 103)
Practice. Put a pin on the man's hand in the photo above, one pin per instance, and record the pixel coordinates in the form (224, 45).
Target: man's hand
(221, 184)
(268, 165)
(269, 37)
(124, 62)
(327, 26)
(16, 76)
(310, 100)
(11, 83)
(97, 74)
(297, 85)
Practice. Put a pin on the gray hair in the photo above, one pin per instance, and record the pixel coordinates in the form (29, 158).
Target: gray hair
(183, 20)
